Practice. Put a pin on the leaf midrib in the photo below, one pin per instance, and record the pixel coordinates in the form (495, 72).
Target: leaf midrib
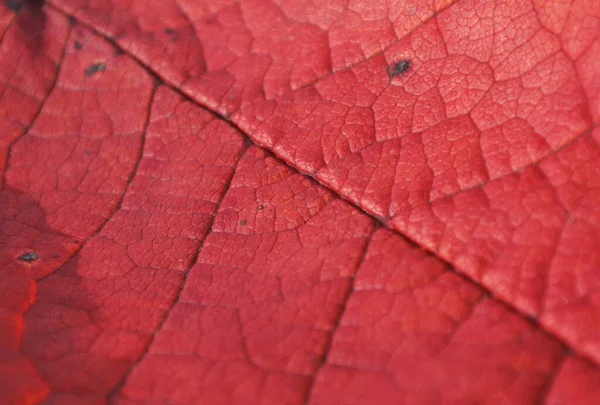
(161, 79)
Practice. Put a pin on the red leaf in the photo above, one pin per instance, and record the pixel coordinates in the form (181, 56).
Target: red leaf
(290, 202)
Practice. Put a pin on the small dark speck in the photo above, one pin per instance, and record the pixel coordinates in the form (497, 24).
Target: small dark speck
(172, 33)
(55, 256)
(95, 68)
(29, 257)
(14, 5)
(260, 207)
(78, 45)
(243, 222)
(398, 68)
(75, 240)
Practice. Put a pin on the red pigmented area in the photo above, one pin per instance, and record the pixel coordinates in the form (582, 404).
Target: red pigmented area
(97, 314)
(416, 332)
(576, 383)
(258, 308)
(230, 54)
(21, 52)
(392, 202)
(460, 151)
(58, 170)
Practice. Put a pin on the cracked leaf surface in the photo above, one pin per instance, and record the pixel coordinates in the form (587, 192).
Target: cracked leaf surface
(299, 202)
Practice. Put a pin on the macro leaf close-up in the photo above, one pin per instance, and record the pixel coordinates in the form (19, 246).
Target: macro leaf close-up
(299, 202)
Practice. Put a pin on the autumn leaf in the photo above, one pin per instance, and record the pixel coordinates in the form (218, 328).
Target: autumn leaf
(299, 202)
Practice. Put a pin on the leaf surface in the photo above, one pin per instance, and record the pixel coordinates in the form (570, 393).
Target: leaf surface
(294, 202)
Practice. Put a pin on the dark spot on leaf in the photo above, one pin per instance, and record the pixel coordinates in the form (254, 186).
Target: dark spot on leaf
(14, 5)
(398, 68)
(75, 240)
(172, 33)
(95, 68)
(260, 207)
(243, 222)
(29, 257)
(17, 5)
(78, 45)
(55, 256)
(31, 20)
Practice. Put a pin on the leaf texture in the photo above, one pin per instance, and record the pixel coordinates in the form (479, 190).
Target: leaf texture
(295, 202)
